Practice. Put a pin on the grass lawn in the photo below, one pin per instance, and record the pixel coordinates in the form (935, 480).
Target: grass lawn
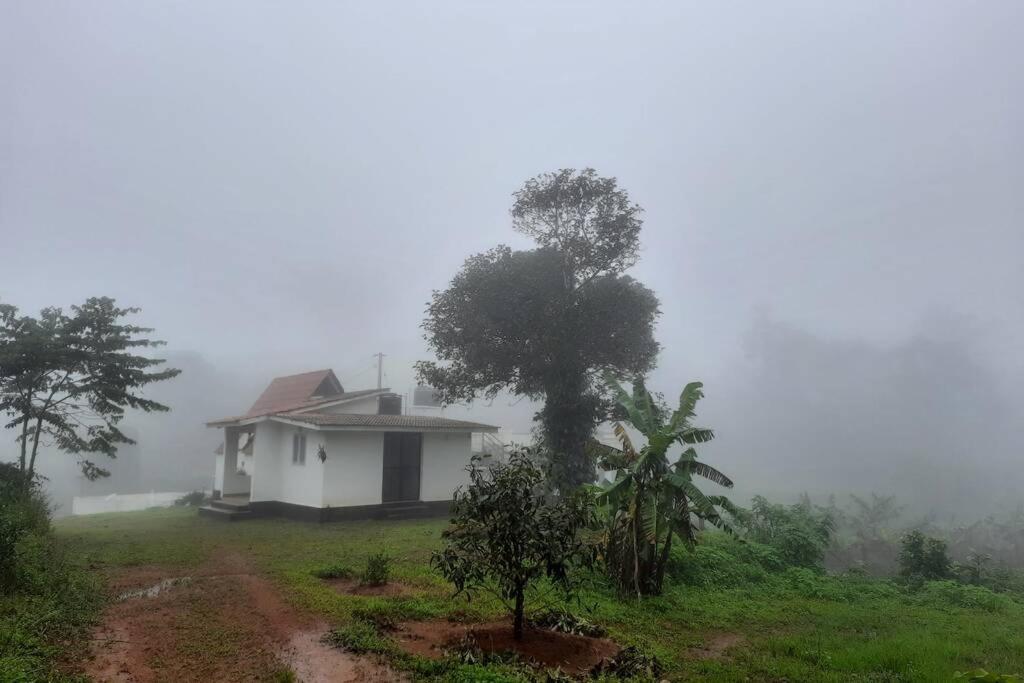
(787, 625)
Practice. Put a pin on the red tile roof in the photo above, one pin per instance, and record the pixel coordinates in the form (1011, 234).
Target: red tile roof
(293, 391)
(285, 395)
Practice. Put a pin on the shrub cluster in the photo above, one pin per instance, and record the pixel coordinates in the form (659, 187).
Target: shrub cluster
(800, 533)
(45, 599)
(378, 569)
(24, 521)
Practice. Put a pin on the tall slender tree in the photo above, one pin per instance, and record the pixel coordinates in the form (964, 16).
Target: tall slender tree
(67, 380)
(548, 322)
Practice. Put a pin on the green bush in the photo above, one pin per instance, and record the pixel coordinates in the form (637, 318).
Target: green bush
(192, 499)
(24, 520)
(378, 569)
(722, 561)
(801, 533)
(944, 594)
(923, 556)
(45, 600)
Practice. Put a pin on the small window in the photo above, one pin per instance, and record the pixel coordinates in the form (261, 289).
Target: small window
(299, 449)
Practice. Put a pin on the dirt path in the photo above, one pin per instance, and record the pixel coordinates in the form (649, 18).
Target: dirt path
(222, 621)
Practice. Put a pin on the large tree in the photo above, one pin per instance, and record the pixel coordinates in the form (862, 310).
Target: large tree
(548, 322)
(67, 380)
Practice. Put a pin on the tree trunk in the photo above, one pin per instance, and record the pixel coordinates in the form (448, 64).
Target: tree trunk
(35, 449)
(517, 624)
(662, 562)
(24, 442)
(567, 420)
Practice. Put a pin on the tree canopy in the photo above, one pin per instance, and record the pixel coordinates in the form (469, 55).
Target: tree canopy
(67, 380)
(546, 323)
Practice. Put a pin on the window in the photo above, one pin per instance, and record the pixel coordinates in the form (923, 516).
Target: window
(299, 449)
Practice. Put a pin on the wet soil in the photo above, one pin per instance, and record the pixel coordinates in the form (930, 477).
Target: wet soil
(354, 587)
(222, 621)
(716, 646)
(572, 653)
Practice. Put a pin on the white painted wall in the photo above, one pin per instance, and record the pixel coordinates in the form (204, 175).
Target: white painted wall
(275, 477)
(445, 457)
(91, 505)
(354, 471)
(267, 461)
(362, 406)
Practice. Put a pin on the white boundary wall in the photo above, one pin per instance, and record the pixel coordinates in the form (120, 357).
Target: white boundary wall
(93, 505)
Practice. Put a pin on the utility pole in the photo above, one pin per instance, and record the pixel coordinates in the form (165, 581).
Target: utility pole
(380, 369)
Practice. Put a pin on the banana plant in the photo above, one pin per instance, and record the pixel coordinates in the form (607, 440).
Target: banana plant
(651, 500)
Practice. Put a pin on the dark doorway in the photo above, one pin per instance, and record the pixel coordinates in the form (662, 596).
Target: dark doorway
(402, 457)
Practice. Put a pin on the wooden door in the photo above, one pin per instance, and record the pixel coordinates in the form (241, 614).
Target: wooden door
(403, 453)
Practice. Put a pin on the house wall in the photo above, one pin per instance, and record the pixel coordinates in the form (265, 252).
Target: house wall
(266, 462)
(275, 477)
(445, 457)
(362, 406)
(353, 473)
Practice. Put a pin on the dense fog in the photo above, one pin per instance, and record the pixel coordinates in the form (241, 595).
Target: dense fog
(832, 211)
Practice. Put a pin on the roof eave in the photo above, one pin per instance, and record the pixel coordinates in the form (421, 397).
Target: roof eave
(217, 424)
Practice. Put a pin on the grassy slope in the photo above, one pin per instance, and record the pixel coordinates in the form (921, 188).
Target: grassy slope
(796, 625)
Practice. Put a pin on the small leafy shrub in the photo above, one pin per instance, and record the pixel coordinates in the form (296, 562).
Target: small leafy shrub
(630, 663)
(378, 570)
(923, 556)
(565, 621)
(334, 571)
(192, 499)
(506, 533)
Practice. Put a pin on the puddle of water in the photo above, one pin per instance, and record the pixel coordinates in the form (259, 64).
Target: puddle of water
(313, 661)
(155, 589)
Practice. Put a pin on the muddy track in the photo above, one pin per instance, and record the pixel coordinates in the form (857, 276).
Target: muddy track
(221, 621)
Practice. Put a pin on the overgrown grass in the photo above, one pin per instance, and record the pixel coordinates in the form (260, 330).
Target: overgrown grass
(45, 622)
(795, 624)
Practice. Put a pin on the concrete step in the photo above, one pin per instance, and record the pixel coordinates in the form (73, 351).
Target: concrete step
(227, 515)
(231, 505)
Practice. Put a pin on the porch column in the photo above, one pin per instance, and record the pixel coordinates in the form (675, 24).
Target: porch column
(234, 483)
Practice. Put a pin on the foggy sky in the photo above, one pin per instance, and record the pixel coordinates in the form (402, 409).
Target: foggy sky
(281, 185)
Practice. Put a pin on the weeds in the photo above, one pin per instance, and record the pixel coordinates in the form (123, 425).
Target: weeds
(378, 569)
(334, 571)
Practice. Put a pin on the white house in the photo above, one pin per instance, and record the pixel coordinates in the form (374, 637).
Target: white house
(311, 450)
